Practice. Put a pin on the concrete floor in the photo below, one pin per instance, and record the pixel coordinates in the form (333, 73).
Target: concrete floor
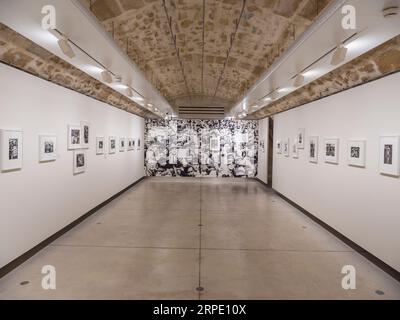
(147, 244)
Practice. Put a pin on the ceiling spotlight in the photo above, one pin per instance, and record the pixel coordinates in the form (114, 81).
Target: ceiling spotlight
(65, 47)
(106, 76)
(299, 81)
(390, 11)
(128, 92)
(339, 55)
(267, 99)
(150, 105)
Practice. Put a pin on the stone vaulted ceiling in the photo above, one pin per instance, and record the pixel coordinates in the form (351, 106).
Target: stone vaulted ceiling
(204, 52)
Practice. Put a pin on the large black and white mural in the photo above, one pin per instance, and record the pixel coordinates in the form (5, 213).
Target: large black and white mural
(198, 148)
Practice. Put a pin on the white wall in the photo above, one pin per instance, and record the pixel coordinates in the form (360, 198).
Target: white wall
(358, 202)
(263, 127)
(42, 198)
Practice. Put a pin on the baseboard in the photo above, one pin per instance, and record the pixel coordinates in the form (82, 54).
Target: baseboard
(375, 260)
(27, 255)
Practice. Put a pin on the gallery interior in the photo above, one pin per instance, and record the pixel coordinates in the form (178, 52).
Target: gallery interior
(200, 149)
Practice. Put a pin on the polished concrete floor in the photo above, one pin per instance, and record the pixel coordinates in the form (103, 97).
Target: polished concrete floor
(166, 237)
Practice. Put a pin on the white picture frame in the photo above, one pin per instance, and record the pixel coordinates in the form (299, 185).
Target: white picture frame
(47, 148)
(79, 161)
(139, 142)
(286, 148)
(278, 146)
(85, 135)
(11, 148)
(122, 145)
(295, 149)
(389, 155)
(313, 149)
(331, 150)
(356, 153)
(301, 138)
(112, 144)
(130, 144)
(100, 145)
(74, 137)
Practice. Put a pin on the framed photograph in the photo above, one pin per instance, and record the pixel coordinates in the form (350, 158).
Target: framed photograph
(313, 150)
(47, 148)
(112, 145)
(356, 153)
(79, 161)
(278, 145)
(332, 151)
(74, 137)
(214, 144)
(11, 149)
(286, 148)
(138, 144)
(301, 136)
(122, 145)
(133, 144)
(85, 131)
(389, 156)
(295, 149)
(129, 144)
(100, 146)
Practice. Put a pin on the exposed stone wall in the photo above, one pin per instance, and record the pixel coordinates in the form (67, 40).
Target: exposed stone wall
(373, 65)
(24, 54)
(266, 29)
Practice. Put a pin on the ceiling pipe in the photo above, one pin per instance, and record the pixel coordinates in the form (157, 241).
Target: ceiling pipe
(325, 16)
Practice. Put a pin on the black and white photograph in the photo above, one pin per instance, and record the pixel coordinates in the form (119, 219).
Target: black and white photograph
(356, 153)
(295, 149)
(332, 151)
(122, 146)
(100, 145)
(214, 144)
(47, 148)
(85, 131)
(278, 145)
(130, 144)
(112, 145)
(138, 144)
(389, 156)
(11, 149)
(313, 150)
(286, 146)
(301, 138)
(79, 161)
(74, 137)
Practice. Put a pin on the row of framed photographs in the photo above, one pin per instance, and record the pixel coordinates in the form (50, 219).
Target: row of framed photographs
(389, 155)
(11, 148)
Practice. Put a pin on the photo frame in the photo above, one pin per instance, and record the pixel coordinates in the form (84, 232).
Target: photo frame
(112, 145)
(295, 149)
(286, 145)
(74, 137)
(313, 149)
(331, 151)
(100, 145)
(85, 132)
(79, 161)
(356, 153)
(138, 144)
(389, 156)
(11, 148)
(130, 143)
(301, 137)
(47, 148)
(122, 144)
(278, 146)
